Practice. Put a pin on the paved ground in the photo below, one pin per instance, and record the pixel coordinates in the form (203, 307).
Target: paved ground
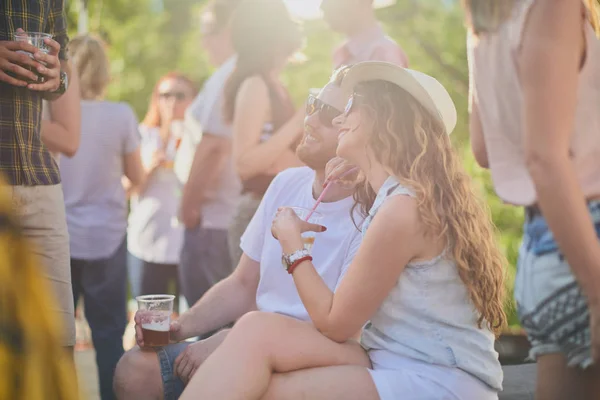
(85, 356)
(85, 361)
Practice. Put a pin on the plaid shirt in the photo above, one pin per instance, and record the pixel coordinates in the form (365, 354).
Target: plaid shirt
(24, 159)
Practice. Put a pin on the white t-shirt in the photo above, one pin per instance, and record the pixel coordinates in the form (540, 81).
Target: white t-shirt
(154, 233)
(332, 252)
(205, 114)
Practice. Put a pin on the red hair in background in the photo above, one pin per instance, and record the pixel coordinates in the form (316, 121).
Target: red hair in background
(152, 118)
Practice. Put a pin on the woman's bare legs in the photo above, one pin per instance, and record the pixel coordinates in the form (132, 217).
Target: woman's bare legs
(346, 382)
(556, 381)
(261, 344)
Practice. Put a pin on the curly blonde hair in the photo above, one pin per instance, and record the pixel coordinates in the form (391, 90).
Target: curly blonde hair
(414, 147)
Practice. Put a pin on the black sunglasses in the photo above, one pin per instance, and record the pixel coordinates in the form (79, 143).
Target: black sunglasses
(326, 112)
(178, 95)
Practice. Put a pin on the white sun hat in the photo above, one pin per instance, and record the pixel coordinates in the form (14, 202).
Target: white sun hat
(424, 88)
(310, 9)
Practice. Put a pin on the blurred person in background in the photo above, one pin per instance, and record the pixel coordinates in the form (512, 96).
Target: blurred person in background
(33, 365)
(534, 100)
(155, 235)
(61, 121)
(366, 40)
(266, 129)
(212, 189)
(96, 205)
(25, 162)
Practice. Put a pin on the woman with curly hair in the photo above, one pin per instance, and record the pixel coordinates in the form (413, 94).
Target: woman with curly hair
(425, 288)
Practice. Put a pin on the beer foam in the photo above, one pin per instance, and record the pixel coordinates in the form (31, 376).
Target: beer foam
(159, 326)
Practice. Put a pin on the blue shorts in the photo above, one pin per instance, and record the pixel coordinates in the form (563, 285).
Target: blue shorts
(172, 385)
(551, 306)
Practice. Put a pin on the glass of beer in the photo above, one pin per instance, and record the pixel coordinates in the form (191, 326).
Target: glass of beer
(308, 238)
(35, 39)
(155, 311)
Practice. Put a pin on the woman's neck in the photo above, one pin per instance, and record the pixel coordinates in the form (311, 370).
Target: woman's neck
(376, 176)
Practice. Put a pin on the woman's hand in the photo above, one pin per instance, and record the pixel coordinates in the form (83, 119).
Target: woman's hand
(158, 159)
(288, 228)
(341, 172)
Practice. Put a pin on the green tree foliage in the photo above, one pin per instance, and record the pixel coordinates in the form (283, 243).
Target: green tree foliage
(151, 37)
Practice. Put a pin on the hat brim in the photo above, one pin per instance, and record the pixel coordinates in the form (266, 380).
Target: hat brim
(401, 77)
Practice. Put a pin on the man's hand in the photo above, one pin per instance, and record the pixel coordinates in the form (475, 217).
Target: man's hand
(174, 331)
(188, 362)
(189, 216)
(14, 63)
(51, 70)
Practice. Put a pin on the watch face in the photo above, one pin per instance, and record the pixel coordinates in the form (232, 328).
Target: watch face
(284, 262)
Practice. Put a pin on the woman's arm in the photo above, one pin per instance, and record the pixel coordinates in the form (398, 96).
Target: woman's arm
(477, 140)
(251, 109)
(61, 134)
(549, 65)
(133, 170)
(371, 276)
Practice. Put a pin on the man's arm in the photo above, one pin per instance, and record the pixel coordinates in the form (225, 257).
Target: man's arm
(209, 160)
(225, 302)
(62, 132)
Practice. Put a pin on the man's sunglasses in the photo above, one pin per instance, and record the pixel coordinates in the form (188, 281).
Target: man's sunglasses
(326, 112)
(179, 96)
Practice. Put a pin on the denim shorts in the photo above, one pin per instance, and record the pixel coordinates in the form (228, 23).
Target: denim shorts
(172, 385)
(551, 306)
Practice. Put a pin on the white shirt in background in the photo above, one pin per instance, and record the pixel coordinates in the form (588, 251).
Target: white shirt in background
(332, 252)
(155, 233)
(205, 114)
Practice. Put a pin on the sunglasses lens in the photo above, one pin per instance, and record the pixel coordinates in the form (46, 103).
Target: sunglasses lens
(348, 109)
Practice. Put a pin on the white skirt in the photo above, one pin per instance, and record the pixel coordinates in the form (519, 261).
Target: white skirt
(416, 380)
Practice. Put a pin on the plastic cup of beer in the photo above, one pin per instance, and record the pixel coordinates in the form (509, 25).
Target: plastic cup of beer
(155, 313)
(308, 238)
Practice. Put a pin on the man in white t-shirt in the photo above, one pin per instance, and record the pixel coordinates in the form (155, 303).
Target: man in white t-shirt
(260, 281)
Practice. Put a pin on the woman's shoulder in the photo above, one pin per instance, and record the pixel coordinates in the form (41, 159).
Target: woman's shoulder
(116, 108)
(254, 84)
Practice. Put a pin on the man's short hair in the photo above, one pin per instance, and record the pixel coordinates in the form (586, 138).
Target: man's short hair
(339, 74)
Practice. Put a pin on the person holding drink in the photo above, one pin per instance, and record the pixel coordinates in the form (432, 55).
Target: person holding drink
(426, 285)
(260, 281)
(154, 233)
(27, 165)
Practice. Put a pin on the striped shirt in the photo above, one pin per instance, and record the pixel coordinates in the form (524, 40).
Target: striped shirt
(24, 160)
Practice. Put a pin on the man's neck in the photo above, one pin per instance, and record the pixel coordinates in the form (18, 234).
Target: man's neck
(334, 193)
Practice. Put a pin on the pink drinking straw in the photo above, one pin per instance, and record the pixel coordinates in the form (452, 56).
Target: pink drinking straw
(325, 191)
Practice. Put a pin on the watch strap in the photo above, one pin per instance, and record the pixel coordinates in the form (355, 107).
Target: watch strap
(290, 259)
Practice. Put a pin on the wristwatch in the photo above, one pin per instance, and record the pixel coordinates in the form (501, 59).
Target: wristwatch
(289, 259)
(64, 84)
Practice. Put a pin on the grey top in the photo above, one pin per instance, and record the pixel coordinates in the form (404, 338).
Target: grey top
(95, 200)
(428, 315)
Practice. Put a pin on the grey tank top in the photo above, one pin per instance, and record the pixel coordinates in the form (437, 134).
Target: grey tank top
(428, 315)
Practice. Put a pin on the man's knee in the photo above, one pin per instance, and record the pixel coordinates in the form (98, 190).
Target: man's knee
(137, 376)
